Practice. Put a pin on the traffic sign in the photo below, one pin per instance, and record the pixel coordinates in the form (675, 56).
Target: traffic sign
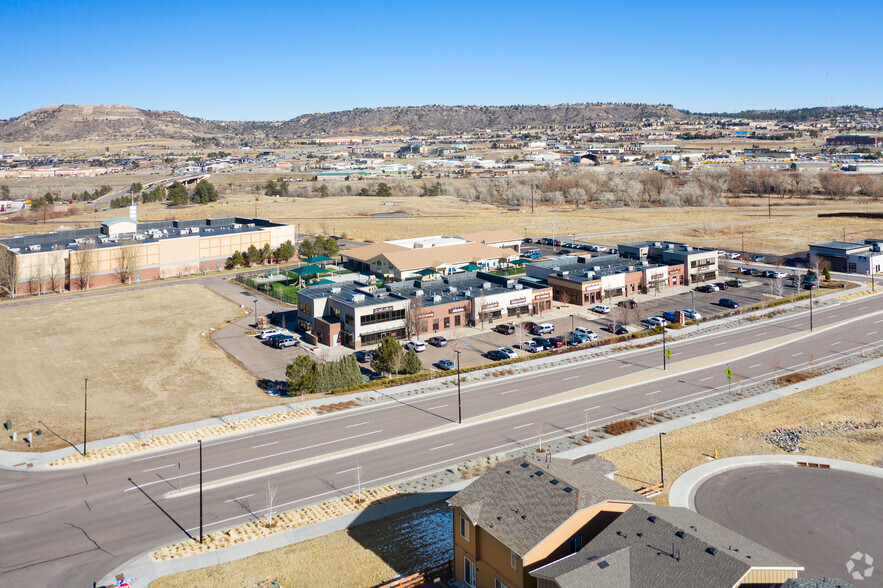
(668, 352)
(729, 373)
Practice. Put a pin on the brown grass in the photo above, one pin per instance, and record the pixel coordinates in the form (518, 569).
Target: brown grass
(365, 555)
(147, 354)
(856, 398)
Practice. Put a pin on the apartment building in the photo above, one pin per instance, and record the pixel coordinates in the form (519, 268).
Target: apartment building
(700, 265)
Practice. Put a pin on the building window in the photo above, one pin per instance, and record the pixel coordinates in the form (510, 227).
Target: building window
(498, 584)
(464, 528)
(305, 308)
(382, 317)
(435, 324)
(513, 559)
(468, 572)
(575, 544)
(447, 322)
(457, 320)
(348, 319)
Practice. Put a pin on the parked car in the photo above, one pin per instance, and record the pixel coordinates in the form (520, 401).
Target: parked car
(445, 364)
(706, 288)
(767, 273)
(576, 339)
(617, 329)
(745, 271)
(779, 275)
(629, 303)
(364, 356)
(736, 283)
(418, 346)
(267, 333)
(557, 341)
(529, 326)
(437, 341)
(506, 329)
(655, 321)
(758, 258)
(510, 353)
(669, 315)
(496, 355)
(273, 338)
(544, 329)
(601, 309)
(531, 346)
(563, 251)
(728, 303)
(589, 334)
(284, 341)
(691, 314)
(527, 240)
(721, 285)
(545, 344)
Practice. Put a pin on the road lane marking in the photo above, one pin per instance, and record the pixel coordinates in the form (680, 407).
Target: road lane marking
(441, 446)
(654, 392)
(880, 321)
(721, 343)
(522, 426)
(574, 377)
(708, 378)
(796, 354)
(160, 468)
(265, 444)
(509, 391)
(239, 498)
(837, 343)
(345, 471)
(872, 333)
(437, 407)
(761, 334)
(755, 365)
(356, 425)
(678, 353)
(832, 316)
(593, 408)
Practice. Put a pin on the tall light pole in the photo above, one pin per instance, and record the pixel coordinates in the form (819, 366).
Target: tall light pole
(459, 400)
(810, 306)
(692, 304)
(571, 324)
(255, 313)
(200, 490)
(85, 410)
(661, 469)
(664, 355)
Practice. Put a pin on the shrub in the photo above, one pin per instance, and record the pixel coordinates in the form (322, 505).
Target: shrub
(620, 427)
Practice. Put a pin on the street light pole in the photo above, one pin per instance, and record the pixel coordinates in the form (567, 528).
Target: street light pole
(571, 323)
(810, 306)
(200, 490)
(664, 359)
(85, 410)
(459, 400)
(661, 469)
(255, 313)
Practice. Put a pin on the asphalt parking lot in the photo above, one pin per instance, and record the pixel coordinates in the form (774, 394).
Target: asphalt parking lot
(819, 518)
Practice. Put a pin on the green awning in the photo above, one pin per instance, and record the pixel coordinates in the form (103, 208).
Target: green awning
(319, 259)
(308, 270)
(520, 261)
(430, 271)
(472, 267)
(323, 282)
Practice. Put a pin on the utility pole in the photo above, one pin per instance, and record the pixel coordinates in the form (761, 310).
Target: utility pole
(664, 355)
(200, 491)
(459, 400)
(531, 197)
(85, 410)
(810, 306)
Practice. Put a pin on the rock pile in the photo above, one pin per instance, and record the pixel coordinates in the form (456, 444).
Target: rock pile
(788, 439)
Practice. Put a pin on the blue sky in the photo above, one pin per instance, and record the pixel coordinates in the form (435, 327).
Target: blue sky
(276, 60)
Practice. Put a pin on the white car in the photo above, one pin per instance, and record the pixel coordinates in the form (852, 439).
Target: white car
(510, 352)
(266, 333)
(722, 253)
(779, 275)
(655, 321)
(587, 333)
(418, 346)
(691, 314)
(601, 308)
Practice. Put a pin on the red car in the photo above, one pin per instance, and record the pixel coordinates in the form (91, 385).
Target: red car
(557, 341)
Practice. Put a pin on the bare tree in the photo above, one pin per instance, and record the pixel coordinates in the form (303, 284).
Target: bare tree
(737, 181)
(272, 490)
(777, 287)
(415, 325)
(126, 260)
(86, 262)
(775, 365)
(520, 334)
(836, 185)
(8, 271)
(55, 272)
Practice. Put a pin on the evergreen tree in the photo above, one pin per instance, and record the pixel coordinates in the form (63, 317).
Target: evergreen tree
(388, 356)
(205, 192)
(284, 252)
(383, 190)
(306, 249)
(301, 374)
(411, 364)
(253, 255)
(178, 194)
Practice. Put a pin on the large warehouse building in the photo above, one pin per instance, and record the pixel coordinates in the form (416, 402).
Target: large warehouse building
(125, 251)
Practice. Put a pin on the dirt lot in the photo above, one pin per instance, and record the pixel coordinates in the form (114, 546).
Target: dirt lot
(365, 555)
(852, 399)
(140, 351)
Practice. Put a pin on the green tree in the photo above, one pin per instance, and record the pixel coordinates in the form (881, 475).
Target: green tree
(323, 191)
(253, 255)
(284, 252)
(266, 253)
(205, 192)
(301, 376)
(306, 249)
(364, 192)
(4, 192)
(383, 190)
(235, 260)
(136, 187)
(178, 194)
(271, 189)
(326, 246)
(411, 364)
(281, 187)
(388, 356)
(48, 198)
(827, 273)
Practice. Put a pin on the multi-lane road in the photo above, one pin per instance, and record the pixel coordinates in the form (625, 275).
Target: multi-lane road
(71, 527)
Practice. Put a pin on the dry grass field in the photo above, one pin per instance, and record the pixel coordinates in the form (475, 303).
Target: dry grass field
(793, 226)
(365, 555)
(856, 398)
(147, 360)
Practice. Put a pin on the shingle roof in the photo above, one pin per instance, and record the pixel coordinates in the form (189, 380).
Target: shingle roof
(667, 546)
(521, 501)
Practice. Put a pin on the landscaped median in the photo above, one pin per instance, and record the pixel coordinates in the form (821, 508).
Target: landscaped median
(277, 523)
(164, 441)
